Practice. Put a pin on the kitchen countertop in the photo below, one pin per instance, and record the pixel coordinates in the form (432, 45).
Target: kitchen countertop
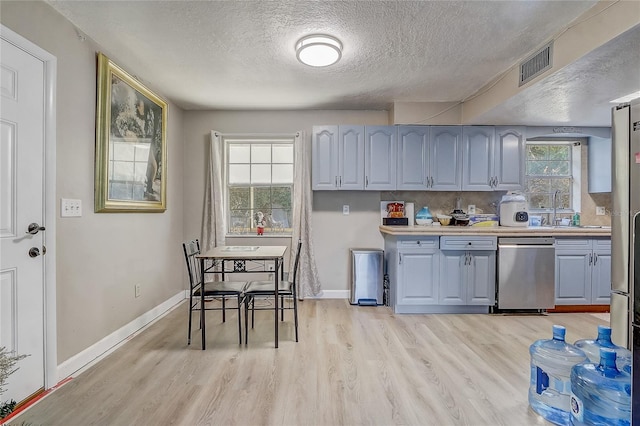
(498, 231)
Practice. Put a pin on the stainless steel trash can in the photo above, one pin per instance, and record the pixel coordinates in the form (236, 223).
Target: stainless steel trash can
(367, 274)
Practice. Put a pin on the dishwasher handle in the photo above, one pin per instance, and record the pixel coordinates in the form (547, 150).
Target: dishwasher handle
(525, 246)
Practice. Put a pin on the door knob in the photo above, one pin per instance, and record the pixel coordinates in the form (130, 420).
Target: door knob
(34, 252)
(34, 228)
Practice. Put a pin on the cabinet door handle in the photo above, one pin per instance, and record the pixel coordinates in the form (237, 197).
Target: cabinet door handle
(595, 259)
(591, 259)
(399, 258)
(341, 181)
(336, 181)
(366, 181)
(431, 181)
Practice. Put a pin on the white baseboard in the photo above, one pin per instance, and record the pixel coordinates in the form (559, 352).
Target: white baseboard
(85, 359)
(331, 294)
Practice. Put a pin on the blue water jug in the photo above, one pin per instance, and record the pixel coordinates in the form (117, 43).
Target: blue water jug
(550, 384)
(601, 394)
(592, 347)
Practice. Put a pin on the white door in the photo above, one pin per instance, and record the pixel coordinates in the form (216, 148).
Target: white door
(22, 203)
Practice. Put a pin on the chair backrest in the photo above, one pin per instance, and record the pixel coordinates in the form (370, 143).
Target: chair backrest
(296, 264)
(191, 250)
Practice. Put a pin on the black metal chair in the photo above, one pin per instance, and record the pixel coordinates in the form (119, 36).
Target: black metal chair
(286, 290)
(221, 290)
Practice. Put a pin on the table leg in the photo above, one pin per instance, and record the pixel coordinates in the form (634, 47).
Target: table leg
(202, 319)
(275, 303)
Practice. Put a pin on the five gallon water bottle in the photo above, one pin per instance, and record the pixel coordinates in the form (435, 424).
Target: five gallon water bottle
(601, 394)
(592, 348)
(550, 385)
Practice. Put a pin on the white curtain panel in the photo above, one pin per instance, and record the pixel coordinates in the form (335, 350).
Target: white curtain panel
(214, 219)
(308, 280)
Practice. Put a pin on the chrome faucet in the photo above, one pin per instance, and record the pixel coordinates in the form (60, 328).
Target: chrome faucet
(555, 207)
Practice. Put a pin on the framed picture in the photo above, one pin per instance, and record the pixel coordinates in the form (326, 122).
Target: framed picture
(131, 149)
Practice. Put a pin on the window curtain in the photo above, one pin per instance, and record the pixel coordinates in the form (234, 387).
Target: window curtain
(308, 280)
(214, 218)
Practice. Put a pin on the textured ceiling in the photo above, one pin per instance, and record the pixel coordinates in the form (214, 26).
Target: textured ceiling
(240, 54)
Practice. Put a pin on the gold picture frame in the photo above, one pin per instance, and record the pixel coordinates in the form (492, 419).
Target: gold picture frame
(131, 148)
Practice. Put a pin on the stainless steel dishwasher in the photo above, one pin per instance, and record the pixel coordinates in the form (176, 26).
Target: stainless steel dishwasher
(526, 273)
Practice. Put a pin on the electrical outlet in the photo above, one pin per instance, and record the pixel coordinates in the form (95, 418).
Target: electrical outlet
(345, 209)
(600, 211)
(471, 209)
(70, 208)
(136, 289)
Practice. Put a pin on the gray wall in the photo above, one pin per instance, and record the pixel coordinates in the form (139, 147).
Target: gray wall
(100, 256)
(333, 233)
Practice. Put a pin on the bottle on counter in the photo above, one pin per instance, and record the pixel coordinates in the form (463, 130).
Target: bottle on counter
(575, 221)
(600, 393)
(591, 348)
(550, 384)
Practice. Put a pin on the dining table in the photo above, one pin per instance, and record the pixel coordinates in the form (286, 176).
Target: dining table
(223, 260)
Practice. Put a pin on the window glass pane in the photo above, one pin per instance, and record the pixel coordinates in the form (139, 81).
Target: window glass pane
(239, 173)
(283, 153)
(539, 201)
(261, 153)
(536, 167)
(538, 185)
(239, 198)
(537, 152)
(557, 168)
(564, 185)
(239, 153)
(282, 173)
(281, 197)
(240, 221)
(261, 173)
(262, 199)
(558, 152)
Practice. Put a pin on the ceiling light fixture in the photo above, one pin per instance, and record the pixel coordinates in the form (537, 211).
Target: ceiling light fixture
(318, 50)
(628, 98)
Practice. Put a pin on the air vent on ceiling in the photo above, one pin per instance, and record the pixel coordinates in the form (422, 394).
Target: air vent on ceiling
(536, 64)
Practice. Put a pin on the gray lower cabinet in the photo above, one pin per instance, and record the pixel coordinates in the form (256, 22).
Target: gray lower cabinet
(468, 270)
(427, 277)
(583, 271)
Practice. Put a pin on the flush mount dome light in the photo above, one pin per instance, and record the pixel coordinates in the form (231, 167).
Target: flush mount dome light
(318, 50)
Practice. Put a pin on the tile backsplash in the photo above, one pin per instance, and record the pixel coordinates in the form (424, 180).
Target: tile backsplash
(445, 201)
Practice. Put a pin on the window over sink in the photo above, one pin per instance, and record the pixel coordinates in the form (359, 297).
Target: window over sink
(553, 165)
(259, 185)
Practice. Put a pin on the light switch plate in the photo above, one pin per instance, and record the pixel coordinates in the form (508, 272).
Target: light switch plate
(70, 207)
(471, 209)
(345, 209)
(600, 211)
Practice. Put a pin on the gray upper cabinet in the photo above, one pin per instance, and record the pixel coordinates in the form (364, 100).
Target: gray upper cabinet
(493, 158)
(337, 158)
(380, 158)
(429, 158)
(445, 160)
(478, 158)
(599, 164)
(509, 157)
(351, 157)
(324, 157)
(413, 158)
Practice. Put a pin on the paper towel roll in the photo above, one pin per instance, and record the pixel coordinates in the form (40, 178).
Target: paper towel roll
(410, 213)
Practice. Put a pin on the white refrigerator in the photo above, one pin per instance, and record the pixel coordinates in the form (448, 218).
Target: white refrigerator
(625, 238)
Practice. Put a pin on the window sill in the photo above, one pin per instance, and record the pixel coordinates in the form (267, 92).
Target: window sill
(265, 235)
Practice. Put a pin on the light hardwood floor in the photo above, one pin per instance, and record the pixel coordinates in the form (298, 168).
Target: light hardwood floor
(352, 366)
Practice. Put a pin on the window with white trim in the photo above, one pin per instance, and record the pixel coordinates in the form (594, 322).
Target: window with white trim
(259, 185)
(553, 165)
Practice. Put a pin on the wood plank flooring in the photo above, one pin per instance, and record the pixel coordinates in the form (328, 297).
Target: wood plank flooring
(352, 366)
